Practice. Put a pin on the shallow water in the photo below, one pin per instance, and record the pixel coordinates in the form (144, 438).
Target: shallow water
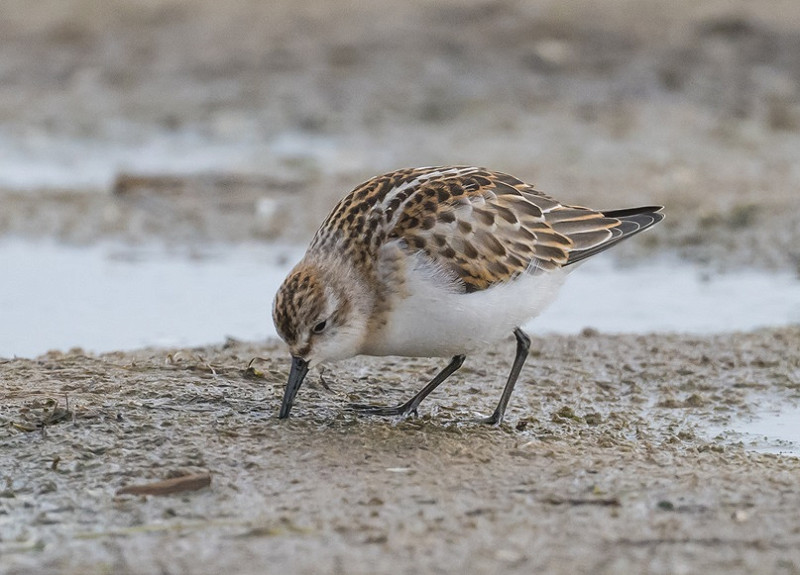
(104, 298)
(670, 296)
(108, 297)
(776, 431)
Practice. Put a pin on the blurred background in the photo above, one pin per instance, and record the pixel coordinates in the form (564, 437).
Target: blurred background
(163, 162)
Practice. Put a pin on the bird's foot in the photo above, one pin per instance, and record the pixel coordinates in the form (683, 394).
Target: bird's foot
(493, 419)
(405, 410)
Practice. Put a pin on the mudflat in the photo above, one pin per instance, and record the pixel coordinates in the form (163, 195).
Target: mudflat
(612, 459)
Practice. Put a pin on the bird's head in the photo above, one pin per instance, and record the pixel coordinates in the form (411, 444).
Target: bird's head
(319, 314)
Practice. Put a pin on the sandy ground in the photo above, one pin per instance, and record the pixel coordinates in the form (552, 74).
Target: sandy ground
(611, 460)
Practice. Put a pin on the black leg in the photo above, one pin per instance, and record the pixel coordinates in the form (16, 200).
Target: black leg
(411, 405)
(523, 345)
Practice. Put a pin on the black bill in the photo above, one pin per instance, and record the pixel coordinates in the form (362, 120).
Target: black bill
(296, 376)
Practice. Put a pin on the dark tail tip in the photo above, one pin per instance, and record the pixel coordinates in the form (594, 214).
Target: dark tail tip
(631, 222)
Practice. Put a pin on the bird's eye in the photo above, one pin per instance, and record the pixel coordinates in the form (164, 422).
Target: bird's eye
(320, 327)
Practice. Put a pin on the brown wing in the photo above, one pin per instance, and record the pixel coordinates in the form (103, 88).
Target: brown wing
(489, 227)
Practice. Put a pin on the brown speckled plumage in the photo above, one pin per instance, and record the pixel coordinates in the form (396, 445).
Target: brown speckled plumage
(297, 303)
(486, 227)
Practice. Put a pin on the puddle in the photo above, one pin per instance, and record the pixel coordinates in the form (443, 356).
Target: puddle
(669, 296)
(773, 432)
(104, 298)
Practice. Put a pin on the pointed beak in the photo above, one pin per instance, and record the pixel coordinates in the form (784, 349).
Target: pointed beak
(296, 376)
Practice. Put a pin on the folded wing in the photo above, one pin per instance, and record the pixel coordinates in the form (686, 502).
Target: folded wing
(488, 227)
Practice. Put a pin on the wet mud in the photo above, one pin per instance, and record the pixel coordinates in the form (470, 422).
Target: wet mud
(610, 460)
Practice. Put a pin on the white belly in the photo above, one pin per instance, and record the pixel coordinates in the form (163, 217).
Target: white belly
(433, 321)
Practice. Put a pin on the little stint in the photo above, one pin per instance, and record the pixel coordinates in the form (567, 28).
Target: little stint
(436, 262)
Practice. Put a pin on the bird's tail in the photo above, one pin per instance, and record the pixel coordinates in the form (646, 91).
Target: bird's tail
(631, 222)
